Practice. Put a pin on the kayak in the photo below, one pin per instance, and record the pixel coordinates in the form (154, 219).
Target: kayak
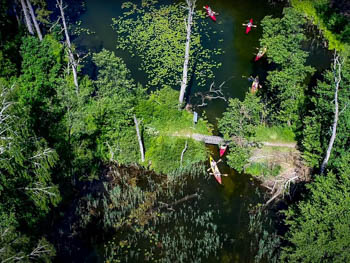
(210, 13)
(261, 52)
(215, 170)
(223, 150)
(249, 26)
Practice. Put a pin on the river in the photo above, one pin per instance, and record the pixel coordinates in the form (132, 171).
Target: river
(239, 191)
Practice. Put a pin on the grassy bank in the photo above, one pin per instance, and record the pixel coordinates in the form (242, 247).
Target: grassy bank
(275, 156)
(309, 9)
(160, 120)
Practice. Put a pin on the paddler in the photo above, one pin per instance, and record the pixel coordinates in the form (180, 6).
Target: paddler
(210, 11)
(255, 85)
(250, 24)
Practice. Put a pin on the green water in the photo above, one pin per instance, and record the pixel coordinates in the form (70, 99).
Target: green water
(238, 190)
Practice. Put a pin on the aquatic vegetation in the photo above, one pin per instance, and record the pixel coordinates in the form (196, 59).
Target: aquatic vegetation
(156, 33)
(146, 216)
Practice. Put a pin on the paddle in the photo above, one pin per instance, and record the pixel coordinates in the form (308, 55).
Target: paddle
(220, 160)
(220, 174)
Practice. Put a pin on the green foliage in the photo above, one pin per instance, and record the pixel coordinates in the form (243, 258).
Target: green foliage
(41, 11)
(242, 117)
(316, 132)
(238, 156)
(334, 26)
(25, 166)
(165, 153)
(157, 35)
(42, 65)
(319, 225)
(16, 247)
(9, 42)
(111, 113)
(265, 243)
(165, 126)
(27, 192)
(274, 134)
(263, 169)
(240, 120)
(129, 208)
(311, 143)
(283, 38)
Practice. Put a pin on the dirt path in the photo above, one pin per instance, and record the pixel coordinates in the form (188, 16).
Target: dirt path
(280, 144)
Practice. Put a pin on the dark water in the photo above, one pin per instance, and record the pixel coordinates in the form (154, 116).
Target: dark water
(238, 190)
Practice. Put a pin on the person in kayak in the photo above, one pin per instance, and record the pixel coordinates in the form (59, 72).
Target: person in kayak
(255, 85)
(250, 24)
(210, 11)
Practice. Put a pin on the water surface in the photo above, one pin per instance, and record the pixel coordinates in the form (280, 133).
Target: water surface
(238, 190)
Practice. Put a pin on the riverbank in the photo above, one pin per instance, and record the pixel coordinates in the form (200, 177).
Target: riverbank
(309, 10)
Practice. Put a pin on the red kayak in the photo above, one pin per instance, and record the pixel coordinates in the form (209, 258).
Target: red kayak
(249, 26)
(223, 150)
(261, 52)
(210, 13)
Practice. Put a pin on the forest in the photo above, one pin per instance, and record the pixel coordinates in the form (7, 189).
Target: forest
(106, 136)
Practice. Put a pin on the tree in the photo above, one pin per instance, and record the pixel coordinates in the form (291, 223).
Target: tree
(191, 4)
(319, 226)
(25, 164)
(27, 17)
(36, 25)
(241, 120)
(16, 247)
(73, 62)
(286, 89)
(316, 132)
(42, 66)
(337, 79)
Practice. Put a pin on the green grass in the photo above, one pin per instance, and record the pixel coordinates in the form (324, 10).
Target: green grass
(274, 134)
(307, 7)
(161, 120)
(263, 169)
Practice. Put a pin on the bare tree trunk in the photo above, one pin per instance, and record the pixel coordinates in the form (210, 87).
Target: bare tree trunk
(16, 14)
(27, 18)
(183, 152)
(37, 28)
(337, 79)
(191, 6)
(72, 60)
(139, 139)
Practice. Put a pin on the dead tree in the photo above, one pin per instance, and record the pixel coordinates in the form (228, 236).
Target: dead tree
(139, 139)
(72, 61)
(27, 18)
(212, 94)
(190, 6)
(337, 79)
(36, 25)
